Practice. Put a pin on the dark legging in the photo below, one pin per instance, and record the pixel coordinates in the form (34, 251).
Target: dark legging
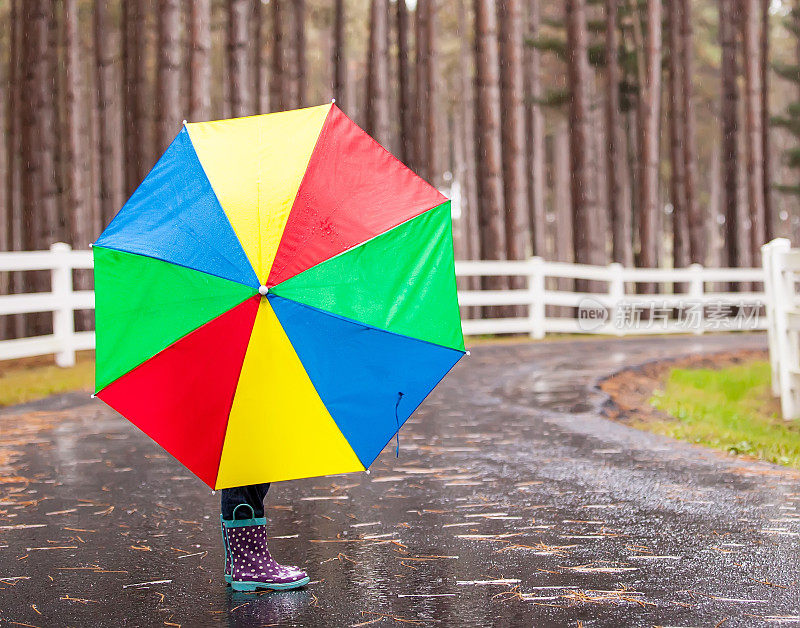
(252, 495)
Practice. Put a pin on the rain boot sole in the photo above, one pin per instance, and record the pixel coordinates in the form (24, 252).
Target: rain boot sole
(228, 579)
(254, 586)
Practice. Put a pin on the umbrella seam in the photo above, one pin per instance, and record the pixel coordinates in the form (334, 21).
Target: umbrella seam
(323, 131)
(191, 331)
(313, 385)
(367, 241)
(233, 396)
(367, 325)
(166, 261)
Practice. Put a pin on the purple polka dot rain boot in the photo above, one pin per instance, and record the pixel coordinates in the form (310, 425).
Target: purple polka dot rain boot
(251, 565)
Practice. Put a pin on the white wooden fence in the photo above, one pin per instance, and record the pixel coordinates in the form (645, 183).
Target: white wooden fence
(615, 310)
(782, 272)
(62, 301)
(619, 309)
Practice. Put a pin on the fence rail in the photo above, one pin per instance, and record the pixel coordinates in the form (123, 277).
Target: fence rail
(581, 312)
(618, 298)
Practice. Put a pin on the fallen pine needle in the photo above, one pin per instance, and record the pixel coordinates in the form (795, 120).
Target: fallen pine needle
(194, 554)
(340, 557)
(769, 584)
(366, 623)
(141, 584)
(78, 599)
(392, 617)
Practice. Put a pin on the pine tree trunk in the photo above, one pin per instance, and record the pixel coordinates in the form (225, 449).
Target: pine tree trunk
(277, 89)
(743, 204)
(677, 134)
(754, 143)
(729, 16)
(290, 86)
(714, 230)
(133, 79)
(168, 101)
(467, 105)
(299, 54)
(460, 235)
(515, 193)
(89, 128)
(12, 226)
(766, 150)
(649, 116)
(432, 100)
(77, 208)
(6, 166)
(421, 95)
(378, 124)
(259, 94)
(696, 220)
(33, 31)
(82, 226)
(535, 135)
(55, 94)
(339, 54)
(599, 175)
(404, 87)
(487, 135)
(200, 62)
(562, 237)
(618, 208)
(29, 153)
(110, 183)
(238, 83)
(584, 205)
(16, 77)
(48, 219)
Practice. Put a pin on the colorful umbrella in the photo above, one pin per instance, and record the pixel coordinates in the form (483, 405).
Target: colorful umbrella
(276, 298)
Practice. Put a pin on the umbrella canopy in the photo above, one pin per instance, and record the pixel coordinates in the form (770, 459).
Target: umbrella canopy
(276, 298)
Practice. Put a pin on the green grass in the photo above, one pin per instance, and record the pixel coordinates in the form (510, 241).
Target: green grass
(28, 380)
(730, 409)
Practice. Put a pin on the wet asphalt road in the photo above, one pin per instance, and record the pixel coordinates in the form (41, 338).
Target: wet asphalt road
(513, 502)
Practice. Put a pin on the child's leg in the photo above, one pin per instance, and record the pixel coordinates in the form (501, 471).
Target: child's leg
(253, 495)
(249, 566)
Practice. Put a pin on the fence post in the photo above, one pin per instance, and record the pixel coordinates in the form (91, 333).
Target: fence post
(616, 292)
(696, 290)
(536, 287)
(768, 259)
(63, 318)
(784, 295)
